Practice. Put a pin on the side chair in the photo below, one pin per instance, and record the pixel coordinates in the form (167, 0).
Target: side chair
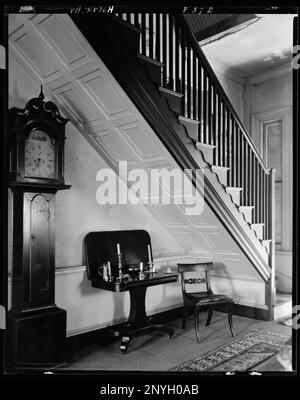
(201, 299)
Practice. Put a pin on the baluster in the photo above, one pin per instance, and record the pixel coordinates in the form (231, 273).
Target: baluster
(214, 123)
(237, 144)
(232, 168)
(248, 176)
(194, 87)
(183, 73)
(204, 106)
(198, 86)
(264, 204)
(151, 16)
(143, 22)
(228, 138)
(177, 61)
(157, 36)
(258, 192)
(209, 96)
(261, 196)
(136, 19)
(245, 186)
(164, 48)
(200, 103)
(188, 83)
(241, 159)
(268, 233)
(234, 154)
(219, 118)
(170, 34)
(254, 187)
(223, 134)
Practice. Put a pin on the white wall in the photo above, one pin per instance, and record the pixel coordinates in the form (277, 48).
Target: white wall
(232, 83)
(77, 213)
(269, 95)
(235, 92)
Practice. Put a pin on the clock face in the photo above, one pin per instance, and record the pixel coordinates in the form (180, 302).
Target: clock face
(39, 155)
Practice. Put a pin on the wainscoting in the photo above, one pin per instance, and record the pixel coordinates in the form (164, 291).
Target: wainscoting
(89, 309)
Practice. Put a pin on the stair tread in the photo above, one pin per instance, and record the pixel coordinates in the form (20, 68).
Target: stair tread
(169, 91)
(220, 167)
(128, 24)
(209, 146)
(149, 59)
(234, 188)
(186, 119)
(282, 298)
(258, 224)
(246, 207)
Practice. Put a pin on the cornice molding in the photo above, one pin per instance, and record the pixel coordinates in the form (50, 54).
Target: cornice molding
(270, 73)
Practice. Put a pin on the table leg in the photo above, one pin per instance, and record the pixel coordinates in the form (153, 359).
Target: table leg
(138, 323)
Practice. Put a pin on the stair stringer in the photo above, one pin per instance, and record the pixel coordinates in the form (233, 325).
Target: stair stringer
(135, 80)
(217, 188)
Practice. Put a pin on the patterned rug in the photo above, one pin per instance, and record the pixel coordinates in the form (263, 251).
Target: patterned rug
(241, 354)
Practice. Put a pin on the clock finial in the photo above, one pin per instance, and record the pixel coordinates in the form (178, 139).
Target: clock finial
(41, 95)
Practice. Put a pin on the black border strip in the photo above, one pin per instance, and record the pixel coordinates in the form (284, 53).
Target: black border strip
(296, 151)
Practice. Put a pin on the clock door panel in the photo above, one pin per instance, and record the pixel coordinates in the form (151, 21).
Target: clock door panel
(41, 249)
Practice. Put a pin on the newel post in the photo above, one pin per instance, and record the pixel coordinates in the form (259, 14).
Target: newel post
(271, 219)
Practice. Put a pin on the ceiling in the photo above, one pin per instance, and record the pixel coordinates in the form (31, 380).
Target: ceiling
(252, 49)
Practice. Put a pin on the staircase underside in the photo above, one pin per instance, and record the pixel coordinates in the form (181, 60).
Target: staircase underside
(115, 104)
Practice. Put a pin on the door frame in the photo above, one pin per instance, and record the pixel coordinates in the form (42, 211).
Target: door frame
(285, 114)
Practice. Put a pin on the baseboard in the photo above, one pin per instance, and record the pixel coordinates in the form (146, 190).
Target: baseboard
(251, 312)
(103, 335)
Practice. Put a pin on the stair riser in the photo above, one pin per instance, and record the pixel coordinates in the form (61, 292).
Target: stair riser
(259, 230)
(247, 212)
(222, 175)
(174, 101)
(191, 126)
(235, 196)
(283, 310)
(154, 71)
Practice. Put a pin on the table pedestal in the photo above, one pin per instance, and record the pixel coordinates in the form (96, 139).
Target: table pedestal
(138, 323)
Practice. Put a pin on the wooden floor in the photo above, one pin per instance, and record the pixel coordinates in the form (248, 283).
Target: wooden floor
(156, 352)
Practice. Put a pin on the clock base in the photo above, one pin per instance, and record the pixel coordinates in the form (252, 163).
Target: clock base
(36, 338)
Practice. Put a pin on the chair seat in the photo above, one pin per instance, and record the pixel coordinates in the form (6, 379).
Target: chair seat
(204, 298)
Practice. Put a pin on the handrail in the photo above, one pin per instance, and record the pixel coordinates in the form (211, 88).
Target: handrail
(203, 57)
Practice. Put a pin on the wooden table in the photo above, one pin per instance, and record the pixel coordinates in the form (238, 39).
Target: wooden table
(138, 323)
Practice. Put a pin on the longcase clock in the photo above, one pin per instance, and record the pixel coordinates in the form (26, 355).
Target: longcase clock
(36, 326)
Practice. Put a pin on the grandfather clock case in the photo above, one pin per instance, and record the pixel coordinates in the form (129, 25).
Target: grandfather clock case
(36, 326)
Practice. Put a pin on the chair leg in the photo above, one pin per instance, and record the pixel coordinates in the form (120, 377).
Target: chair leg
(230, 318)
(196, 317)
(184, 316)
(210, 313)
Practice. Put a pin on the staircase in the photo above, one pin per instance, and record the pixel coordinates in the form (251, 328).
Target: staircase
(160, 65)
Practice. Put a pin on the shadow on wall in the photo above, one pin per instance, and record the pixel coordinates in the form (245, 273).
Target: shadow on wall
(16, 100)
(115, 302)
(221, 270)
